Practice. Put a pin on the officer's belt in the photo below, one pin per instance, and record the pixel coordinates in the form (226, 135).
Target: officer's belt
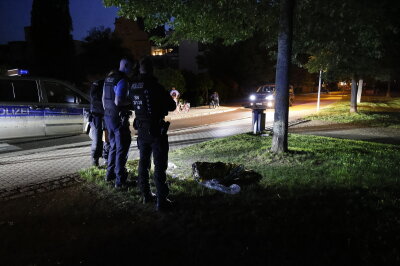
(148, 123)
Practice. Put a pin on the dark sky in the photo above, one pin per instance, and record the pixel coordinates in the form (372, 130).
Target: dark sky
(86, 14)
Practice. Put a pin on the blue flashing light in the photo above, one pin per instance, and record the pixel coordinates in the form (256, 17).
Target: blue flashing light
(23, 72)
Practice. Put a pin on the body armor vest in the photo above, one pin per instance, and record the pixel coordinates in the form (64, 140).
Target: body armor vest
(96, 93)
(141, 100)
(110, 109)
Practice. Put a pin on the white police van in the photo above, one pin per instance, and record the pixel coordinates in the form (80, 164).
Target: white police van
(38, 107)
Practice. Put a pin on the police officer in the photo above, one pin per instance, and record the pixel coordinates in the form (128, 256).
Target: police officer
(116, 116)
(98, 148)
(151, 103)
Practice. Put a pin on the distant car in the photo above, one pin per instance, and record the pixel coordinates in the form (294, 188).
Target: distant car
(265, 96)
(36, 107)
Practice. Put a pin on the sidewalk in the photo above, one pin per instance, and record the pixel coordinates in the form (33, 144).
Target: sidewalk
(348, 131)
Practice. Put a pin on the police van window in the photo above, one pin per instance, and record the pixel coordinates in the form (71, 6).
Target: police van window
(58, 93)
(19, 91)
(6, 91)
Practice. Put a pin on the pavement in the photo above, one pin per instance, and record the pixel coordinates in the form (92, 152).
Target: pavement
(26, 172)
(348, 131)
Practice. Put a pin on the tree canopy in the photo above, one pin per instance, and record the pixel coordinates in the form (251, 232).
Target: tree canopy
(343, 36)
(348, 39)
(203, 21)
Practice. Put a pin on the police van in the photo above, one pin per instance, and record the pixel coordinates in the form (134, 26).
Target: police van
(38, 107)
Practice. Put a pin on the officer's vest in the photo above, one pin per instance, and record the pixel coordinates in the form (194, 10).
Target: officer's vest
(96, 93)
(110, 109)
(141, 100)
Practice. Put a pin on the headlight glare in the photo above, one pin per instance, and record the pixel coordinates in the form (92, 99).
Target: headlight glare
(269, 97)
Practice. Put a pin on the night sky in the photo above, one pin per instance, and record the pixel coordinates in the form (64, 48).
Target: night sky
(86, 14)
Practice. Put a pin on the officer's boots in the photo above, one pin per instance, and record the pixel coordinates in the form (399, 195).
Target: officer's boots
(149, 197)
(163, 205)
(95, 162)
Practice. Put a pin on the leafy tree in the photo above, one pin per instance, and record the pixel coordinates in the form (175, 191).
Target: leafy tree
(171, 78)
(204, 21)
(345, 38)
(53, 47)
(230, 21)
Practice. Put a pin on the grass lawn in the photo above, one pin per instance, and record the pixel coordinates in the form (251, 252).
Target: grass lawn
(328, 201)
(372, 111)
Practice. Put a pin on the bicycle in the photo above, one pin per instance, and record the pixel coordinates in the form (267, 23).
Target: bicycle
(183, 106)
(212, 104)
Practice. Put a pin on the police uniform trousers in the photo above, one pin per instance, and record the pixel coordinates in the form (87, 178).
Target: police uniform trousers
(156, 144)
(120, 139)
(98, 148)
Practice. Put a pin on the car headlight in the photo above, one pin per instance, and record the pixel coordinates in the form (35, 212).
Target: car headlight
(252, 97)
(269, 97)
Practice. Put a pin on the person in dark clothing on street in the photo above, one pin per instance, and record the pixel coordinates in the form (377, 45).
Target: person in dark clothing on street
(214, 100)
(151, 102)
(116, 116)
(98, 147)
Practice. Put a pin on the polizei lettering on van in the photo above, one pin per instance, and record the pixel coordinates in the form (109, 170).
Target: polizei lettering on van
(15, 111)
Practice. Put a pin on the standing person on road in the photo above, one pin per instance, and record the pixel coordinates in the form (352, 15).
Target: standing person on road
(151, 104)
(98, 148)
(116, 116)
(216, 98)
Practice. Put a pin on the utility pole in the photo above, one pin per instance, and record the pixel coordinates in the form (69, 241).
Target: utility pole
(319, 89)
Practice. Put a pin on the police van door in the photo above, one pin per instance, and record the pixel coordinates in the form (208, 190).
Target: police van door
(63, 113)
(21, 113)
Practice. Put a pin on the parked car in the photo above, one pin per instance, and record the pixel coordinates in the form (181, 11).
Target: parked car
(265, 96)
(35, 107)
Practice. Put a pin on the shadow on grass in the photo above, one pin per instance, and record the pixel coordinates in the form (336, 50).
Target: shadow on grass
(260, 225)
(276, 225)
(295, 227)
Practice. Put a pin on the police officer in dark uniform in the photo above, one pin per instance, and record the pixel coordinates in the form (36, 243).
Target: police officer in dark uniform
(98, 148)
(116, 116)
(151, 103)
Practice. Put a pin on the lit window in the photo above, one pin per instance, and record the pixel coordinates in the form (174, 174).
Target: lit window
(160, 51)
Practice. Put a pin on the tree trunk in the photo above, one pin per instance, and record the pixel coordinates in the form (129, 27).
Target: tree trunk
(360, 89)
(388, 89)
(281, 117)
(353, 100)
